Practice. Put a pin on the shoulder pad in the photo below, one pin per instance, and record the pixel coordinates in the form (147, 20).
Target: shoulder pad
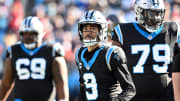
(108, 56)
(117, 51)
(171, 26)
(175, 30)
(58, 50)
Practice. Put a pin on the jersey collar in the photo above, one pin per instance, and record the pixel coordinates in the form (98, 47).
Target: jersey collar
(31, 52)
(146, 34)
(89, 64)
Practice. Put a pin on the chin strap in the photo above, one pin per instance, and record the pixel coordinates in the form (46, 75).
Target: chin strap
(30, 46)
(87, 43)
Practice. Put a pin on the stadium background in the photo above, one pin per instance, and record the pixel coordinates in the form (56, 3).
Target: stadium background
(60, 18)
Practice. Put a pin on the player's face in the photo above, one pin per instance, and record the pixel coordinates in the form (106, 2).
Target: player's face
(153, 18)
(90, 31)
(29, 37)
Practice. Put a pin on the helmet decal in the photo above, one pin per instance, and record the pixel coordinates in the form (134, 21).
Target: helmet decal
(155, 2)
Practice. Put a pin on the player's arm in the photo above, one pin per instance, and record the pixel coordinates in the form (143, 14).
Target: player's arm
(60, 73)
(122, 74)
(174, 30)
(176, 78)
(7, 79)
(176, 85)
(82, 96)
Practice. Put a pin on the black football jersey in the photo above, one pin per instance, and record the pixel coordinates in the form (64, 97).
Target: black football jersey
(176, 64)
(98, 80)
(148, 54)
(33, 71)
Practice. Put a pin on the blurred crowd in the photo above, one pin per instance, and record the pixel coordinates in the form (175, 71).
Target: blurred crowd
(60, 18)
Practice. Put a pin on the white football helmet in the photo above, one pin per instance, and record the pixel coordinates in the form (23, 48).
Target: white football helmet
(93, 17)
(31, 24)
(150, 13)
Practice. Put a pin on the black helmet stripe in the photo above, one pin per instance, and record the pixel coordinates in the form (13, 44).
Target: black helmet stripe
(25, 23)
(86, 14)
(29, 22)
(91, 15)
(155, 2)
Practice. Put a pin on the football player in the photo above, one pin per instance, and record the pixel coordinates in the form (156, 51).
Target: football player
(34, 66)
(148, 44)
(102, 69)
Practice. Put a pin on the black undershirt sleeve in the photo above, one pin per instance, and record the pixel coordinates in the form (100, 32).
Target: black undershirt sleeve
(122, 74)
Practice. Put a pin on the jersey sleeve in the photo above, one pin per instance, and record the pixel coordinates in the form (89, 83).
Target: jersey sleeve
(77, 56)
(117, 34)
(58, 50)
(176, 49)
(120, 70)
(82, 95)
(9, 52)
(176, 64)
(178, 34)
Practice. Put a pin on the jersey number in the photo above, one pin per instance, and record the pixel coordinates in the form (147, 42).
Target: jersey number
(37, 68)
(90, 83)
(157, 57)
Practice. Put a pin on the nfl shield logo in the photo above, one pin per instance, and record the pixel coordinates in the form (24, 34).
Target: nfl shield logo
(150, 37)
(87, 67)
(31, 53)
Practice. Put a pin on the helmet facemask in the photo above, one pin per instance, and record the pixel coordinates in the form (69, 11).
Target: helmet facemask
(92, 40)
(153, 19)
(30, 42)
